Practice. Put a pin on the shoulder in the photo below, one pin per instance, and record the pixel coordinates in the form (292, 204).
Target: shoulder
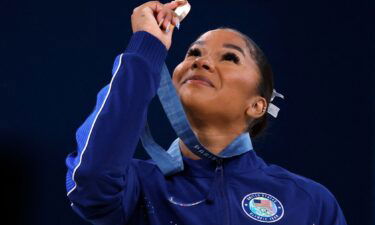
(309, 186)
(327, 209)
(145, 167)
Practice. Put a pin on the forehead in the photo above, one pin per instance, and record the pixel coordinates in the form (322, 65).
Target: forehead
(229, 39)
(221, 36)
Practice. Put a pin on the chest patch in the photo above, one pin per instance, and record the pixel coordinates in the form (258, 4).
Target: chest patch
(262, 207)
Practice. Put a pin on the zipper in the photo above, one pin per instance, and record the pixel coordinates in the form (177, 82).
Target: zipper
(220, 171)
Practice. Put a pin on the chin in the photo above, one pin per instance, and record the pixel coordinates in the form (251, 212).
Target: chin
(195, 98)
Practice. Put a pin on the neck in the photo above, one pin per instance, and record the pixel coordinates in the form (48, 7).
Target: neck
(213, 139)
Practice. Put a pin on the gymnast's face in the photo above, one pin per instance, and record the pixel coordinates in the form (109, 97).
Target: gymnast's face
(218, 77)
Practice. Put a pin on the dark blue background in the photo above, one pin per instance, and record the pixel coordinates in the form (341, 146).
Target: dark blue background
(56, 55)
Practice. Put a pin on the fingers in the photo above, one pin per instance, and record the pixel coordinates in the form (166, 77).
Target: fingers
(164, 14)
(155, 6)
(167, 21)
(160, 17)
(176, 22)
(166, 17)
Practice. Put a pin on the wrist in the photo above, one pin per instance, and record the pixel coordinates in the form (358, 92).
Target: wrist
(147, 46)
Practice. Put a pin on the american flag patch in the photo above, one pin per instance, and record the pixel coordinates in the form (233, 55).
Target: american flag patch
(267, 204)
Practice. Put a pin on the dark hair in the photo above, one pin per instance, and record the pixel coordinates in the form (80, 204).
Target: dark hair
(265, 84)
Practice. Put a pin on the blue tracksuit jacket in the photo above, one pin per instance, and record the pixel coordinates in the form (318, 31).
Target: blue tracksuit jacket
(107, 186)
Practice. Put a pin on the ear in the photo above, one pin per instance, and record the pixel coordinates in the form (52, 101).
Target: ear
(256, 107)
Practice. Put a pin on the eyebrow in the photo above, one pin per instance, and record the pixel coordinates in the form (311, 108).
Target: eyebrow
(225, 45)
(196, 43)
(232, 46)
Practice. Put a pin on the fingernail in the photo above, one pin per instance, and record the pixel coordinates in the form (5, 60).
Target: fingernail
(167, 30)
(178, 26)
(161, 21)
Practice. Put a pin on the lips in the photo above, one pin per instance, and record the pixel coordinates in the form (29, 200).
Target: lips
(203, 79)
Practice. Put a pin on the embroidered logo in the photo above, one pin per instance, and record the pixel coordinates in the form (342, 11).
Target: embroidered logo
(262, 207)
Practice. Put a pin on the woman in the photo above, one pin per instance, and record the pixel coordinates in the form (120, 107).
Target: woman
(225, 85)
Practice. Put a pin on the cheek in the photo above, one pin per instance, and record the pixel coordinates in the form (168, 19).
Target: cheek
(238, 88)
(178, 73)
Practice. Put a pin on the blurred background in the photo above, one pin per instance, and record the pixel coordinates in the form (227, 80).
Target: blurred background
(56, 55)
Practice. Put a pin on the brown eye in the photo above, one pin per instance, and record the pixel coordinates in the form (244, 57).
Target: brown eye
(194, 52)
(231, 57)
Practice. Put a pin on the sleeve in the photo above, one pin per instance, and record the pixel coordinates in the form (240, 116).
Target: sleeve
(101, 182)
(328, 209)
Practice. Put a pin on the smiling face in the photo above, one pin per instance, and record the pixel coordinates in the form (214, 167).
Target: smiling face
(217, 81)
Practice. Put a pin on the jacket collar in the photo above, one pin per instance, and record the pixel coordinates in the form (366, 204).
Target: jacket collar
(247, 162)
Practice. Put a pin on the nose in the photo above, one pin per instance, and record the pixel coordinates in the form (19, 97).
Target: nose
(202, 63)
